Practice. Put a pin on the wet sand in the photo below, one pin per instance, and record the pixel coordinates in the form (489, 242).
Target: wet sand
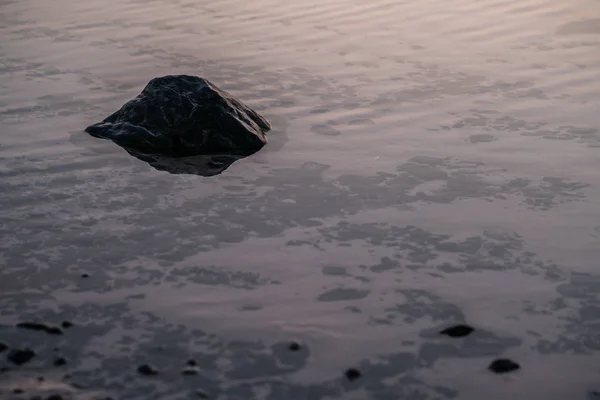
(431, 164)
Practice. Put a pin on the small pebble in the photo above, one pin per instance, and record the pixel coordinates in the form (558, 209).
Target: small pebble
(191, 362)
(66, 324)
(41, 379)
(458, 331)
(60, 361)
(352, 374)
(55, 397)
(20, 356)
(295, 346)
(201, 394)
(190, 371)
(503, 365)
(18, 391)
(146, 369)
(3, 346)
(84, 275)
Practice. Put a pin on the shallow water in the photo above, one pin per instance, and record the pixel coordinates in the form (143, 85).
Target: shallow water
(431, 163)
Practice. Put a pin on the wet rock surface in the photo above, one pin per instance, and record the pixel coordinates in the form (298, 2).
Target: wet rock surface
(184, 116)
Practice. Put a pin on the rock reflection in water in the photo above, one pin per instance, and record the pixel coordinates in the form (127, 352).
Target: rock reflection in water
(203, 165)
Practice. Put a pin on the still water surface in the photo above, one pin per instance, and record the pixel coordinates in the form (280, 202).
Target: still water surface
(432, 162)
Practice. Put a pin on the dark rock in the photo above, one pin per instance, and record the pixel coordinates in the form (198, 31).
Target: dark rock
(20, 356)
(66, 324)
(503, 365)
(41, 379)
(182, 116)
(295, 346)
(191, 362)
(458, 331)
(352, 374)
(55, 397)
(4, 369)
(18, 391)
(190, 371)
(3, 346)
(85, 275)
(201, 394)
(60, 361)
(146, 369)
(38, 326)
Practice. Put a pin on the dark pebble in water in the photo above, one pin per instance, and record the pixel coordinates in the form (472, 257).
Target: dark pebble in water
(85, 275)
(146, 369)
(190, 371)
(20, 356)
(352, 374)
(503, 365)
(18, 391)
(55, 397)
(3, 346)
(191, 362)
(60, 361)
(66, 324)
(295, 346)
(201, 394)
(458, 331)
(38, 326)
(41, 379)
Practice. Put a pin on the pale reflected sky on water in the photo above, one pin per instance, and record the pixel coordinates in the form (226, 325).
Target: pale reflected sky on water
(431, 163)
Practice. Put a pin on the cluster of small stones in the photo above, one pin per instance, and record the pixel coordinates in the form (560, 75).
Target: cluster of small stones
(498, 366)
(22, 356)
